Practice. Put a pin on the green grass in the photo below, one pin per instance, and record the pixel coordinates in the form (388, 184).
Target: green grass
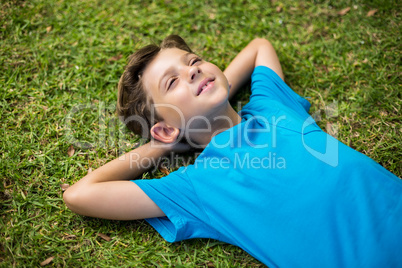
(60, 63)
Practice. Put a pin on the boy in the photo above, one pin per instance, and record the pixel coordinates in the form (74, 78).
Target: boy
(269, 180)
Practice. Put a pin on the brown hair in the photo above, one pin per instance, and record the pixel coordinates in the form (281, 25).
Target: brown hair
(133, 104)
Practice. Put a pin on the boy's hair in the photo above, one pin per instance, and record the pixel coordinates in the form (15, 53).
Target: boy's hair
(133, 101)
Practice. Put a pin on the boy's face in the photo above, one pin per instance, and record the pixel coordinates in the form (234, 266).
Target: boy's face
(183, 86)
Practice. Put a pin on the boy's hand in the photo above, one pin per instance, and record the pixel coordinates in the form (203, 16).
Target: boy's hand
(177, 147)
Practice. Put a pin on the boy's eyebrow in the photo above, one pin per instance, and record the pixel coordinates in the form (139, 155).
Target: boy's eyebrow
(168, 70)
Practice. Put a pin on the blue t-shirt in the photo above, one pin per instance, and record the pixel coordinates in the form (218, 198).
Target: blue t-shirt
(283, 190)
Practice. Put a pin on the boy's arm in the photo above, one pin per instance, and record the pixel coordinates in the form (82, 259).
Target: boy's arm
(257, 52)
(107, 192)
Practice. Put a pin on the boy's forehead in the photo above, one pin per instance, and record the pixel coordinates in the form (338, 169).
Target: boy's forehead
(168, 55)
(166, 59)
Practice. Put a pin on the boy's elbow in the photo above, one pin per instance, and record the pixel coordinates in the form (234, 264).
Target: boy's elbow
(72, 199)
(261, 41)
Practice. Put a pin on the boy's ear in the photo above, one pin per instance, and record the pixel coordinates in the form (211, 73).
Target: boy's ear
(164, 133)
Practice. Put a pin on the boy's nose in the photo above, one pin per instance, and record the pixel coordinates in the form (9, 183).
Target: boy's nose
(193, 73)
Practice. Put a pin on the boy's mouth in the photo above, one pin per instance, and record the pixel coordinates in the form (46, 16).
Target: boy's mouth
(205, 85)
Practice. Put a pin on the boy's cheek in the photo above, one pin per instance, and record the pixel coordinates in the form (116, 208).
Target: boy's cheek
(173, 115)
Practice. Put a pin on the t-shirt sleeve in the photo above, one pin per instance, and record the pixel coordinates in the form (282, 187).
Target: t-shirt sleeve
(265, 83)
(176, 197)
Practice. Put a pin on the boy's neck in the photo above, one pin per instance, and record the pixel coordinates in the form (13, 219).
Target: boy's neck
(221, 121)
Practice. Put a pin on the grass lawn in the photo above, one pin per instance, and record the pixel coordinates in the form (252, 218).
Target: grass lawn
(60, 62)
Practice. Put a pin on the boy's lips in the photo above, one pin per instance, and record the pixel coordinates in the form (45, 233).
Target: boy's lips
(205, 85)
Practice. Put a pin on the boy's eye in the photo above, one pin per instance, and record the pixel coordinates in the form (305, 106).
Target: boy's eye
(195, 60)
(170, 83)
